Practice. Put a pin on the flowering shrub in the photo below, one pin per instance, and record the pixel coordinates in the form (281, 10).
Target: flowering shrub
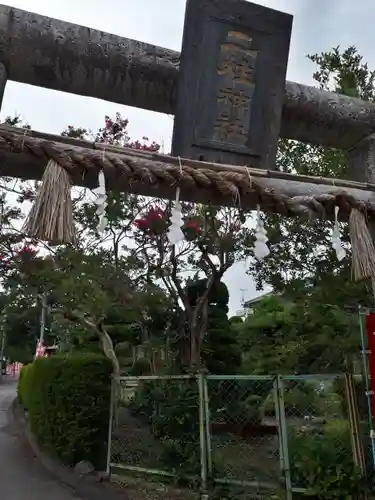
(25, 258)
(153, 222)
(27, 251)
(156, 221)
(115, 132)
(192, 228)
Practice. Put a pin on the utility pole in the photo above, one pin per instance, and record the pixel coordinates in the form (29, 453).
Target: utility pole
(2, 346)
(243, 290)
(42, 322)
(43, 319)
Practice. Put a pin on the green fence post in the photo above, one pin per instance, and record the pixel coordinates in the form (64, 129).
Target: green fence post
(277, 415)
(202, 437)
(283, 436)
(207, 427)
(110, 426)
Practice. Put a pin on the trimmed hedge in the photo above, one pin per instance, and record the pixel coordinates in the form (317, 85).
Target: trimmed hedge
(22, 384)
(68, 399)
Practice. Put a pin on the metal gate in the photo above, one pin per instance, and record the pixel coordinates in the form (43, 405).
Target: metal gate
(240, 433)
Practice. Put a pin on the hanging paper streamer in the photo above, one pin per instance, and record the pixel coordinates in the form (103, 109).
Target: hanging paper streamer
(175, 234)
(101, 203)
(261, 249)
(336, 239)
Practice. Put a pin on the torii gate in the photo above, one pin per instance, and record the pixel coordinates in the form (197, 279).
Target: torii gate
(49, 53)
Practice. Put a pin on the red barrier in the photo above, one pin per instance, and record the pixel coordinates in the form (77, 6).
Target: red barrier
(14, 369)
(370, 327)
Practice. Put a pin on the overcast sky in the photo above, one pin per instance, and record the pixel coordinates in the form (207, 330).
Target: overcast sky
(318, 26)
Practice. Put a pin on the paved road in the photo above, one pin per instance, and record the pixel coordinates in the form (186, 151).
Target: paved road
(21, 476)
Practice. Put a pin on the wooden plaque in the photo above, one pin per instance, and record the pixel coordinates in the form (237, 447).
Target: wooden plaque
(232, 82)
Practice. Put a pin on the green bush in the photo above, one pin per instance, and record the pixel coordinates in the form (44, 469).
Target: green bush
(68, 399)
(321, 461)
(22, 385)
(140, 367)
(171, 409)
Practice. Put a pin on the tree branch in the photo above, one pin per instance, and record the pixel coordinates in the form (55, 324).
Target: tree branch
(104, 337)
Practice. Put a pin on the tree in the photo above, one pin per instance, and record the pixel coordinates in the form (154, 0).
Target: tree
(214, 239)
(87, 284)
(131, 270)
(301, 254)
(299, 337)
(220, 350)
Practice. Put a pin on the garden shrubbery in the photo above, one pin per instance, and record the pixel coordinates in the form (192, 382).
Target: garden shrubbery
(22, 385)
(68, 400)
(171, 410)
(322, 462)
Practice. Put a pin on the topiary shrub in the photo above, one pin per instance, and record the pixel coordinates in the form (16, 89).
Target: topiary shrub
(220, 351)
(140, 367)
(68, 399)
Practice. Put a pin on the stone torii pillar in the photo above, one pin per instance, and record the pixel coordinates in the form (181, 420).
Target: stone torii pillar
(3, 81)
(361, 163)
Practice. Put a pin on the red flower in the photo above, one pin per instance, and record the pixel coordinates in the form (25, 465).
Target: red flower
(141, 224)
(194, 225)
(27, 251)
(154, 215)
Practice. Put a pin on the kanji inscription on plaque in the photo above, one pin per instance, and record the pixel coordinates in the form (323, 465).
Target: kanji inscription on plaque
(232, 80)
(236, 77)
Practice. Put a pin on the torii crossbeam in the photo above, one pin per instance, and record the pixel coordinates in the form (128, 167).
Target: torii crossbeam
(25, 154)
(53, 54)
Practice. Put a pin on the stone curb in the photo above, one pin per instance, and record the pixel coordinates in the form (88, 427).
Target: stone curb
(86, 487)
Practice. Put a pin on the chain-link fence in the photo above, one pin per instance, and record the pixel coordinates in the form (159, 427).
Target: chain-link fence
(242, 426)
(362, 400)
(319, 436)
(247, 433)
(156, 426)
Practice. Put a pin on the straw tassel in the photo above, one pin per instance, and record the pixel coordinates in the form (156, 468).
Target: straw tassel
(51, 216)
(363, 250)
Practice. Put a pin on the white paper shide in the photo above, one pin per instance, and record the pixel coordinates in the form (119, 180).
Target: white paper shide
(261, 249)
(175, 234)
(336, 238)
(101, 203)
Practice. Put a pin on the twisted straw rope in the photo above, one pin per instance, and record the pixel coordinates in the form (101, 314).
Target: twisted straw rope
(137, 168)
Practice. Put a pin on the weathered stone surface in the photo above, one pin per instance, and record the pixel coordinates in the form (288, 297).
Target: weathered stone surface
(361, 160)
(84, 468)
(229, 51)
(49, 53)
(3, 82)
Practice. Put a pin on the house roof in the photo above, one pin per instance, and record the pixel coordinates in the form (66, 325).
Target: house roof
(255, 300)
